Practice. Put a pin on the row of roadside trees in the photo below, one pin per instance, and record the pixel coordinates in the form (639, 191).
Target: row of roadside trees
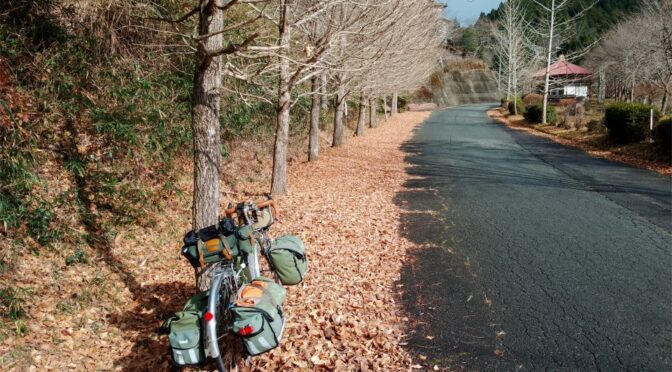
(291, 49)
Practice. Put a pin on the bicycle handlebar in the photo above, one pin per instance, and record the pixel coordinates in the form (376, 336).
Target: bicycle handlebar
(234, 210)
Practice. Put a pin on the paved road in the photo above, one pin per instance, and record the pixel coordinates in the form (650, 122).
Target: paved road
(536, 257)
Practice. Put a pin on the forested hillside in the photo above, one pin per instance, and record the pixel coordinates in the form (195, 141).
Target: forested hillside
(603, 15)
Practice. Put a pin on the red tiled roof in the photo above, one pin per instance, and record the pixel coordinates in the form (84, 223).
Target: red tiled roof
(562, 68)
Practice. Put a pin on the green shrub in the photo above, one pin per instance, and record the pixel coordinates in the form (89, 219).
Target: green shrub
(12, 303)
(402, 102)
(41, 226)
(519, 104)
(628, 121)
(534, 114)
(662, 135)
(77, 257)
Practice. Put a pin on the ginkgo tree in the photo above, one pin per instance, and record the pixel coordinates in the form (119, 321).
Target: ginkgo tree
(289, 49)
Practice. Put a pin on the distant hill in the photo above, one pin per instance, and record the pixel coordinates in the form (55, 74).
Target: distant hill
(590, 27)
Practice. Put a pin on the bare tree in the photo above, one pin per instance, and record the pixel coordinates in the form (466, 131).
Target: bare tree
(512, 47)
(554, 31)
(205, 114)
(305, 40)
(637, 52)
(361, 119)
(373, 112)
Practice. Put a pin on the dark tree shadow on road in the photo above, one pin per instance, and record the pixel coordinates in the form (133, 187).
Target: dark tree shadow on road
(450, 323)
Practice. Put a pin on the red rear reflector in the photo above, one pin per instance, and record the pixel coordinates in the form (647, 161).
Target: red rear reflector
(247, 330)
(208, 316)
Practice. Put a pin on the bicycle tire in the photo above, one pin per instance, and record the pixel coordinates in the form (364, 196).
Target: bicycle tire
(222, 293)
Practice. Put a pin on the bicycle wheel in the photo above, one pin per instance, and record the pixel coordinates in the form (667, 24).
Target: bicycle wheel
(218, 322)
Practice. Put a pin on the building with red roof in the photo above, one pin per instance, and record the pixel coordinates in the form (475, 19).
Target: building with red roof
(566, 79)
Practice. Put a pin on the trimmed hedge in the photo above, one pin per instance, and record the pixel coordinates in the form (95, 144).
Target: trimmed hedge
(628, 122)
(520, 105)
(662, 135)
(534, 114)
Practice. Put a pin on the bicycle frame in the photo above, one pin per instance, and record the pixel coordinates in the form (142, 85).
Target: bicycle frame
(253, 263)
(252, 268)
(214, 299)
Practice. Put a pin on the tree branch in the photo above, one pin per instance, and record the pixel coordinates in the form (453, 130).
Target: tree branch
(231, 48)
(179, 20)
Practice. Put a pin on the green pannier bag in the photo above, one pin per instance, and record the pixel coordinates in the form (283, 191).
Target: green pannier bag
(288, 257)
(264, 219)
(208, 246)
(258, 316)
(185, 332)
(245, 239)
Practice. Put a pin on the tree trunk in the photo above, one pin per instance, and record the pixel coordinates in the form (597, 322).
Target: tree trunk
(373, 114)
(663, 103)
(395, 103)
(385, 108)
(547, 75)
(314, 139)
(515, 91)
(279, 179)
(205, 127)
(632, 87)
(323, 90)
(499, 74)
(601, 87)
(338, 115)
(361, 119)
(508, 84)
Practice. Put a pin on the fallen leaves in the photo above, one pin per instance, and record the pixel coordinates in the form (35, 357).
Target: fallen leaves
(345, 314)
(104, 315)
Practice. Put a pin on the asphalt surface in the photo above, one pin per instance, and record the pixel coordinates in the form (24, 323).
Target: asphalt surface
(534, 256)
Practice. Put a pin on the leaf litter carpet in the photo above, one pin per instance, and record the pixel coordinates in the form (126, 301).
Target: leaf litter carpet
(104, 315)
(344, 316)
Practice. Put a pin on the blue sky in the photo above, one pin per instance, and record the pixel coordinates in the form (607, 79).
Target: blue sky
(467, 11)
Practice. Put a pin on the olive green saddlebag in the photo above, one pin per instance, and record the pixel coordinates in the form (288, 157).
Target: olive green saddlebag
(245, 239)
(185, 332)
(258, 316)
(288, 257)
(208, 246)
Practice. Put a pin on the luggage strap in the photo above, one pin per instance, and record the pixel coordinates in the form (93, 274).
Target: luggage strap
(227, 250)
(199, 248)
(270, 296)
